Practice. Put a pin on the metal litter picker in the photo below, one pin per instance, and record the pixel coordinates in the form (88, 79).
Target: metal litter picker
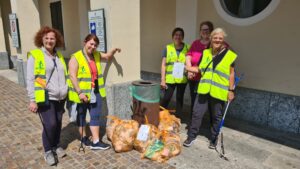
(222, 152)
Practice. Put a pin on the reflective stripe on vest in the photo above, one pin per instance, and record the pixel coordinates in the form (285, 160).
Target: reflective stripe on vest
(84, 77)
(171, 58)
(216, 82)
(40, 71)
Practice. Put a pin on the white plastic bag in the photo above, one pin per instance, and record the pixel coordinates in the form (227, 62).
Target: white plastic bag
(71, 106)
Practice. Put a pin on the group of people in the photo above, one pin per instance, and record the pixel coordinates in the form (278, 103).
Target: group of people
(209, 71)
(50, 83)
(209, 66)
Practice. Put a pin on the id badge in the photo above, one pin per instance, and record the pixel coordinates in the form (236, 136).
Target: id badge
(93, 96)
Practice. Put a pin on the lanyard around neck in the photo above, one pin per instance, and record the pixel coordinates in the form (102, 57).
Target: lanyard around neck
(86, 59)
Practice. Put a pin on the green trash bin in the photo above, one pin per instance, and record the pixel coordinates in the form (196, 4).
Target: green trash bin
(145, 101)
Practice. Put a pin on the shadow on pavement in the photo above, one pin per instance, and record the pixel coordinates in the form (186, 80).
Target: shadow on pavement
(68, 134)
(284, 138)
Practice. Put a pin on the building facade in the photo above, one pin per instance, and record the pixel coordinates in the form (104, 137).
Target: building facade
(264, 35)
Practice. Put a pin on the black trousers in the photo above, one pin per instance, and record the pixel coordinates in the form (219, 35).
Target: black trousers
(193, 92)
(180, 89)
(204, 103)
(52, 117)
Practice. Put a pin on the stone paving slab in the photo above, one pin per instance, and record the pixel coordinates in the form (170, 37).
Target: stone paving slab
(21, 146)
(246, 146)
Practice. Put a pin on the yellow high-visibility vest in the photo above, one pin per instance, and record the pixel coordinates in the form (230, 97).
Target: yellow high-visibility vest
(215, 82)
(40, 72)
(84, 77)
(171, 58)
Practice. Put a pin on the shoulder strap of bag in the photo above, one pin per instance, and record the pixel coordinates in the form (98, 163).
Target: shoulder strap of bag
(52, 71)
(208, 66)
(212, 60)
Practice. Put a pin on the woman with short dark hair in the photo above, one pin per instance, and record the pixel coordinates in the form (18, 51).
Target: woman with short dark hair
(174, 53)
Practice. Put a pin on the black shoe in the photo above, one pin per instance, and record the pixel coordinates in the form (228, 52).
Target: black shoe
(86, 141)
(100, 146)
(189, 141)
(213, 144)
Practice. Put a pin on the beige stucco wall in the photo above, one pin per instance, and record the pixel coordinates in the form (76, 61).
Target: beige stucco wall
(2, 39)
(83, 8)
(6, 28)
(38, 14)
(267, 49)
(186, 18)
(29, 21)
(71, 27)
(122, 30)
(45, 13)
(75, 23)
(158, 19)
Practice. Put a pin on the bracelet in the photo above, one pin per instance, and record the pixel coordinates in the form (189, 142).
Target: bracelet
(231, 90)
(79, 92)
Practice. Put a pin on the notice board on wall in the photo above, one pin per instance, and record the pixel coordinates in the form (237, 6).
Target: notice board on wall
(97, 27)
(14, 29)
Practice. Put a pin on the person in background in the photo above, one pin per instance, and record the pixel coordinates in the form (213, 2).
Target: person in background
(193, 58)
(215, 87)
(47, 88)
(173, 53)
(87, 88)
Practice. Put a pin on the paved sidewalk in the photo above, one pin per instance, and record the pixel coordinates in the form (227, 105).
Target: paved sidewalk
(246, 146)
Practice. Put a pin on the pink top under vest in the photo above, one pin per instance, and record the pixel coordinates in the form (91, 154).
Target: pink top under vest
(195, 53)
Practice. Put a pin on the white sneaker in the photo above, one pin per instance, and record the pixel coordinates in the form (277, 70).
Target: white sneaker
(60, 152)
(49, 158)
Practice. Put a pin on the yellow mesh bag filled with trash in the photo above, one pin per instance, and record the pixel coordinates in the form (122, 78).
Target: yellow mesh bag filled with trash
(146, 135)
(168, 122)
(122, 133)
(113, 122)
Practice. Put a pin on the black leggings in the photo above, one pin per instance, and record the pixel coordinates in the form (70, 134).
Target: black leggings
(193, 92)
(179, 96)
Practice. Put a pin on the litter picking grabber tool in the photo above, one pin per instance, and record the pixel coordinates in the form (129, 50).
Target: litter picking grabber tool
(81, 147)
(47, 136)
(222, 152)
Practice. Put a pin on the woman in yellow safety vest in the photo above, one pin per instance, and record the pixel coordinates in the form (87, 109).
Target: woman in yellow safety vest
(174, 54)
(47, 88)
(86, 88)
(215, 87)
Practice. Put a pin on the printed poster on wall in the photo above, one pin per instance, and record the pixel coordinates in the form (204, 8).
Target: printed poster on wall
(14, 30)
(97, 27)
